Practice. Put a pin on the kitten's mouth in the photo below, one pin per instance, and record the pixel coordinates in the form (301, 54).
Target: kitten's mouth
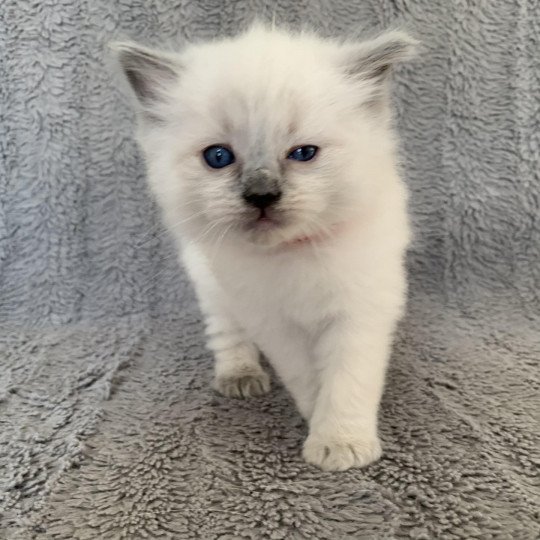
(265, 226)
(271, 230)
(265, 222)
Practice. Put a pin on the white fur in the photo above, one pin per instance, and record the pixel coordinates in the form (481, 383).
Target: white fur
(323, 312)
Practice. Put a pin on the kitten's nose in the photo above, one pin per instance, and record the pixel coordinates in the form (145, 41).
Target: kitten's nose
(261, 189)
(261, 200)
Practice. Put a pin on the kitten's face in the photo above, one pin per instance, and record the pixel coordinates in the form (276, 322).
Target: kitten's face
(264, 138)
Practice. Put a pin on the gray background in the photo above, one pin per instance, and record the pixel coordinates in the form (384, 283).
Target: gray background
(107, 426)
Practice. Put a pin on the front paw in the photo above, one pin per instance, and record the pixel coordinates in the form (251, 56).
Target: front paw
(242, 385)
(339, 453)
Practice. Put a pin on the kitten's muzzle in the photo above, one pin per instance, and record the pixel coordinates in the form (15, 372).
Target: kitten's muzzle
(260, 189)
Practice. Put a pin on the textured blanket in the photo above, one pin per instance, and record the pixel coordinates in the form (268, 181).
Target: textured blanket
(108, 427)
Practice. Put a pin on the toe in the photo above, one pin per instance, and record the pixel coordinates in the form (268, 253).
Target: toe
(338, 454)
(243, 386)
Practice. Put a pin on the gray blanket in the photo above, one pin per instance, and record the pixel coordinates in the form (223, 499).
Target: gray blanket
(108, 427)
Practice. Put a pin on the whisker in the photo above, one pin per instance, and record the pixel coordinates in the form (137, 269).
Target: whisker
(169, 228)
(221, 239)
(207, 230)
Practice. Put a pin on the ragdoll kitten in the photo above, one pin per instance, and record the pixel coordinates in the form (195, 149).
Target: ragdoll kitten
(272, 157)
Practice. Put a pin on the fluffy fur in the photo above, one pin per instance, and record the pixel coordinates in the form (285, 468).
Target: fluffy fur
(318, 287)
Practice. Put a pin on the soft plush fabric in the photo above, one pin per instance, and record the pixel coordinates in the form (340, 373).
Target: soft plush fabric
(108, 427)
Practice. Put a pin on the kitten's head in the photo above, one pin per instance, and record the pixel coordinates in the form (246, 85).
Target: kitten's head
(268, 136)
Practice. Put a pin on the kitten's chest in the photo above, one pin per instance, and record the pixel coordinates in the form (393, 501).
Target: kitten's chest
(281, 290)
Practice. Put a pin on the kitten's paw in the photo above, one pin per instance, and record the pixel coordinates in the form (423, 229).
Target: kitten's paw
(243, 384)
(340, 453)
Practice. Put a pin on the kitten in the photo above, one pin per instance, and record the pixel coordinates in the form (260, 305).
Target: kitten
(272, 157)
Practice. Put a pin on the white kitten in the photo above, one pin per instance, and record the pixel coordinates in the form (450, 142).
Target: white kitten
(272, 157)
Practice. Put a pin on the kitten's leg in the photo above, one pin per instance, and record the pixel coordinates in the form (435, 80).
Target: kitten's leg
(343, 427)
(303, 387)
(237, 372)
(292, 360)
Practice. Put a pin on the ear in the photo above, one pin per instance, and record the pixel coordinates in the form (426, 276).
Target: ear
(372, 60)
(150, 73)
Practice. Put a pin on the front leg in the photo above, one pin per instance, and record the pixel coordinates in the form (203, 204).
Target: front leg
(352, 360)
(290, 357)
(238, 371)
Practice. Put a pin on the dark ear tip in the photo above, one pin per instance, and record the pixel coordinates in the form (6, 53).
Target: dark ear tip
(374, 58)
(114, 45)
(149, 72)
(406, 46)
(124, 50)
(119, 46)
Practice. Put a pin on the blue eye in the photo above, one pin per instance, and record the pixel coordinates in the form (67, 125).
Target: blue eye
(303, 153)
(218, 157)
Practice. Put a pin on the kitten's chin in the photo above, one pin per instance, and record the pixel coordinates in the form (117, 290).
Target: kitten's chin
(265, 232)
(268, 233)
(271, 229)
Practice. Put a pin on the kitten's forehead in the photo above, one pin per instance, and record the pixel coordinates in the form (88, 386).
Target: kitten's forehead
(259, 115)
(264, 85)
(262, 97)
